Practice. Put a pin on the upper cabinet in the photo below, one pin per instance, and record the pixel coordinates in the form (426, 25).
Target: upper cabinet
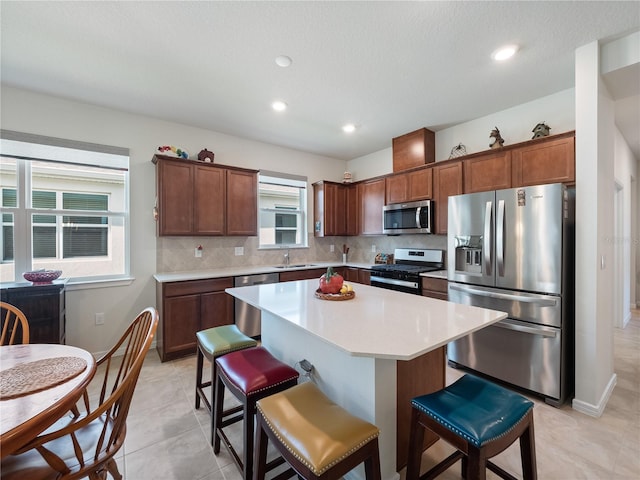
(410, 186)
(196, 198)
(545, 160)
(447, 181)
(330, 208)
(371, 200)
(489, 171)
(414, 149)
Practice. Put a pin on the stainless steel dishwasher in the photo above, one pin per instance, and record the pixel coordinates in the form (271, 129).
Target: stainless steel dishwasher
(248, 317)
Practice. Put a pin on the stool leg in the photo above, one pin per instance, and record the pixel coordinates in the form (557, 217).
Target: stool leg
(217, 415)
(248, 432)
(199, 364)
(260, 452)
(372, 464)
(416, 438)
(476, 465)
(528, 453)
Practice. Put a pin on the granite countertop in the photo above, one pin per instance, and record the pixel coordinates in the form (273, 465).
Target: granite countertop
(248, 270)
(398, 326)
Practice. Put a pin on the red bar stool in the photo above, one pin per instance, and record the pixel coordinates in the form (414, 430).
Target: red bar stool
(481, 420)
(319, 439)
(249, 374)
(213, 343)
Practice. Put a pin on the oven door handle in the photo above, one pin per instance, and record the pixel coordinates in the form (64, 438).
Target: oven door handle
(392, 281)
(525, 329)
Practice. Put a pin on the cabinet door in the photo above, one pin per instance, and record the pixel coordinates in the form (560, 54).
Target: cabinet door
(364, 276)
(180, 323)
(371, 196)
(545, 161)
(420, 184)
(216, 309)
(330, 209)
(352, 225)
(435, 288)
(209, 200)
(413, 149)
(351, 274)
(447, 180)
(397, 188)
(175, 203)
(242, 203)
(487, 172)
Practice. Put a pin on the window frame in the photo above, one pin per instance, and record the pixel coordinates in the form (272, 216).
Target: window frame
(300, 211)
(27, 148)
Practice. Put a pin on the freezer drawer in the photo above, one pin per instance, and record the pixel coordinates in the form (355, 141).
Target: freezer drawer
(525, 355)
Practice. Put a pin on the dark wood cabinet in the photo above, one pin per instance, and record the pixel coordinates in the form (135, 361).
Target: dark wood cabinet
(353, 219)
(545, 160)
(410, 186)
(330, 209)
(196, 198)
(307, 274)
(413, 149)
(435, 288)
(447, 181)
(489, 171)
(242, 202)
(371, 197)
(43, 305)
(188, 307)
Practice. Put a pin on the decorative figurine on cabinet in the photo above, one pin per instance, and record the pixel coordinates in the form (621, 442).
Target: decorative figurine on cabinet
(170, 149)
(206, 156)
(540, 130)
(498, 141)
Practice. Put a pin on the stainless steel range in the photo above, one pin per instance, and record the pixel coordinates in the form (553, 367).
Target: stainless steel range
(404, 275)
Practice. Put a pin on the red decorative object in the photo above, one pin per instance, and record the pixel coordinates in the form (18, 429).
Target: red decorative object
(331, 282)
(42, 276)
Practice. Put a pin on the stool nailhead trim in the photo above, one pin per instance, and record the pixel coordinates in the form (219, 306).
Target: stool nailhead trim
(304, 460)
(269, 387)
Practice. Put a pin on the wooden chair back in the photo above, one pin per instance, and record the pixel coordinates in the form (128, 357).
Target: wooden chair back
(86, 445)
(14, 325)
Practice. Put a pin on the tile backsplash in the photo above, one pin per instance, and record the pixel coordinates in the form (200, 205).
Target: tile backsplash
(177, 254)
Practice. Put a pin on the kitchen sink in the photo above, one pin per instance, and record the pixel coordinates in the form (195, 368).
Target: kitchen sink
(301, 265)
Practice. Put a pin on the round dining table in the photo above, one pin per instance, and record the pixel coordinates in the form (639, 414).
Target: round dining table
(36, 390)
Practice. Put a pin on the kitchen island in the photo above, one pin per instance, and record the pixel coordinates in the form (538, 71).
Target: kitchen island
(371, 354)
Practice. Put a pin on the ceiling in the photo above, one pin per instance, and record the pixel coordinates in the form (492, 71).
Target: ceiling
(388, 67)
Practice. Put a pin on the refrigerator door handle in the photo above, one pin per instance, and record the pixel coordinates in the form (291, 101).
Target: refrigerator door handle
(488, 220)
(500, 238)
(525, 329)
(545, 302)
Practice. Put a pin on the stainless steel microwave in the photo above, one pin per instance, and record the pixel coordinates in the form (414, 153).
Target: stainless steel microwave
(409, 217)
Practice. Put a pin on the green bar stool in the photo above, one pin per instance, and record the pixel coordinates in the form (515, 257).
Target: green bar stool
(317, 438)
(481, 420)
(213, 343)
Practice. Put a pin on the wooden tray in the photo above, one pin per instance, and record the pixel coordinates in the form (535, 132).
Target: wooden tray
(335, 296)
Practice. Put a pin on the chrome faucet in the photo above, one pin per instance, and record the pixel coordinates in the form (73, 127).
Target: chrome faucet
(286, 258)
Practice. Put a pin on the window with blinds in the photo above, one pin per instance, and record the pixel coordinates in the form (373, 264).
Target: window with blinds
(282, 202)
(63, 208)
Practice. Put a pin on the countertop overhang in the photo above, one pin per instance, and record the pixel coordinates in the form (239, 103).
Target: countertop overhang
(376, 323)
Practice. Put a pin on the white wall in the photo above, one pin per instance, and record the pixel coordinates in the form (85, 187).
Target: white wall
(515, 124)
(30, 112)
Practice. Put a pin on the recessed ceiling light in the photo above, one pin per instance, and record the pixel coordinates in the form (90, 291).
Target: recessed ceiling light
(279, 106)
(349, 128)
(504, 53)
(283, 61)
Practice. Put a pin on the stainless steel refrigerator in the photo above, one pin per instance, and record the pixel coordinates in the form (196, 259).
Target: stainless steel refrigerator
(512, 250)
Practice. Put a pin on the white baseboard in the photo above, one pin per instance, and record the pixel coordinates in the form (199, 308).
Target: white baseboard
(596, 410)
(120, 351)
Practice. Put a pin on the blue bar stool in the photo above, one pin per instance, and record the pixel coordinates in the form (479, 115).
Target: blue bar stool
(481, 420)
(213, 343)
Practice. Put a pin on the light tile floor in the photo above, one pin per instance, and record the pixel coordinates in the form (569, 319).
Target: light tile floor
(168, 439)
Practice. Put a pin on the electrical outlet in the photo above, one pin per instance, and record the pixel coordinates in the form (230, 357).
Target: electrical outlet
(239, 251)
(306, 365)
(332, 248)
(373, 248)
(198, 252)
(99, 318)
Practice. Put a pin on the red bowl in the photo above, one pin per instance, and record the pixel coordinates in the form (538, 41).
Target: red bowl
(42, 276)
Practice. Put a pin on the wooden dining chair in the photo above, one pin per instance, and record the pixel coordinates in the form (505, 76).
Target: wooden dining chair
(84, 445)
(14, 322)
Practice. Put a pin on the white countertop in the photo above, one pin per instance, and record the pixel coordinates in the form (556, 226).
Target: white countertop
(437, 274)
(376, 323)
(246, 270)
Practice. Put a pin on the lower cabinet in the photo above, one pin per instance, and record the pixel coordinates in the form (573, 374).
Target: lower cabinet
(188, 307)
(44, 307)
(435, 288)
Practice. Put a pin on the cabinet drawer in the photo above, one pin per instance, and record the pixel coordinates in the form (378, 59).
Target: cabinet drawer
(191, 287)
